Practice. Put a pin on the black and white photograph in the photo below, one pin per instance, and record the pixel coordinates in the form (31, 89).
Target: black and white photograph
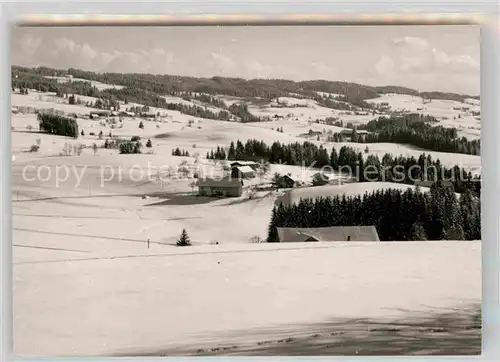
(246, 190)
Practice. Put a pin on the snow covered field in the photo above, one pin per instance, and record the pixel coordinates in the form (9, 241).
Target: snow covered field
(87, 282)
(448, 113)
(98, 85)
(219, 296)
(348, 189)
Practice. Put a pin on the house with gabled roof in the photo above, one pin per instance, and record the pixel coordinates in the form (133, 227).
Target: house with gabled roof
(242, 172)
(225, 187)
(330, 233)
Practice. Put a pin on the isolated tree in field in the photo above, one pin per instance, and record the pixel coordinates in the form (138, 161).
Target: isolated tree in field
(149, 144)
(184, 239)
(83, 133)
(263, 168)
(94, 148)
(141, 125)
(192, 184)
(71, 99)
(100, 135)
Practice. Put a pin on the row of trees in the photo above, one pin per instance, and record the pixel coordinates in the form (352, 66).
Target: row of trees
(241, 111)
(147, 89)
(178, 152)
(218, 154)
(58, 125)
(130, 147)
(397, 215)
(331, 102)
(390, 168)
(418, 132)
(353, 93)
(207, 99)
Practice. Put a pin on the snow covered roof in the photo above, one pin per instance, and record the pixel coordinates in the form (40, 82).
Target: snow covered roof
(245, 169)
(243, 163)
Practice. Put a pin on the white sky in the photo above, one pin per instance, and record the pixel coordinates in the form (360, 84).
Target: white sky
(439, 57)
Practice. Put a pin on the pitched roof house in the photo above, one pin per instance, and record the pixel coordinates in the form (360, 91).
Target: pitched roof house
(320, 178)
(251, 164)
(242, 172)
(287, 181)
(331, 233)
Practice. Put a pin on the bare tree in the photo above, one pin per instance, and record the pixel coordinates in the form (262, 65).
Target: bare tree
(263, 168)
(256, 240)
(252, 192)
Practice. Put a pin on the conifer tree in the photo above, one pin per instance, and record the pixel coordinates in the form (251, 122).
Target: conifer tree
(417, 232)
(272, 236)
(334, 159)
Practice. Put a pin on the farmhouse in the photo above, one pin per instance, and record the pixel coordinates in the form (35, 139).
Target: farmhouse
(97, 114)
(251, 164)
(240, 172)
(320, 178)
(287, 181)
(126, 114)
(220, 188)
(348, 132)
(311, 133)
(148, 115)
(332, 233)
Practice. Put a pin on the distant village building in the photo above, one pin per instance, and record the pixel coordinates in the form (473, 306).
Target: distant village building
(148, 115)
(14, 110)
(242, 172)
(97, 114)
(348, 132)
(320, 178)
(312, 133)
(226, 187)
(332, 233)
(126, 114)
(287, 182)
